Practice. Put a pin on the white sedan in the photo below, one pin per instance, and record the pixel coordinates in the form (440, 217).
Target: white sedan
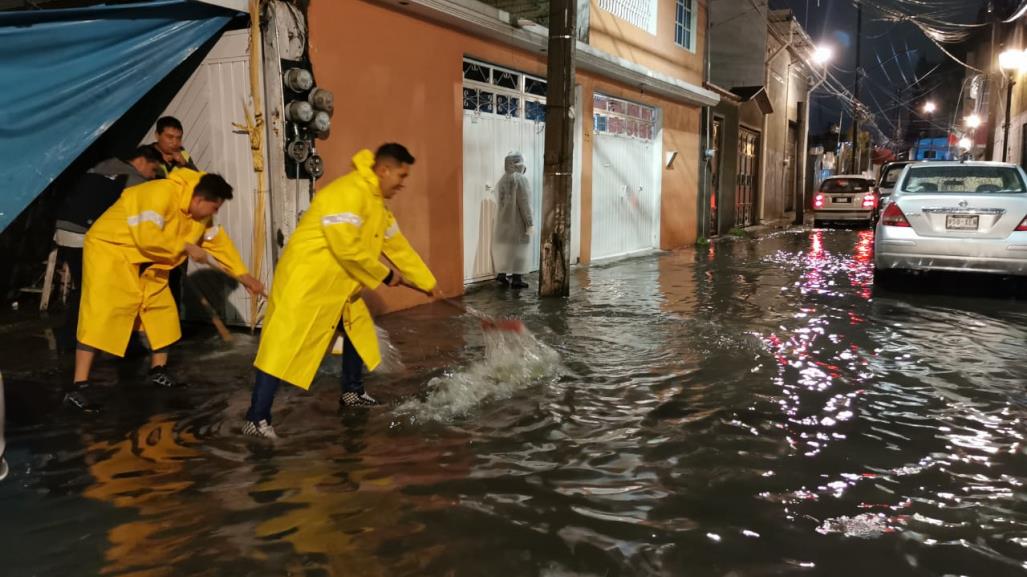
(954, 216)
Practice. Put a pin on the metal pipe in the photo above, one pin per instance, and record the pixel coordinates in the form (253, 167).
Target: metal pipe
(1005, 128)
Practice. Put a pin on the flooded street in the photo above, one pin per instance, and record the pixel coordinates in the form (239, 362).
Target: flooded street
(753, 408)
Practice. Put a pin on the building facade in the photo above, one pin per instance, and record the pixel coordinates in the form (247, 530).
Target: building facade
(463, 83)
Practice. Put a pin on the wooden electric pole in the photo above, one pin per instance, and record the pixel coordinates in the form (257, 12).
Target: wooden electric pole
(554, 277)
(856, 161)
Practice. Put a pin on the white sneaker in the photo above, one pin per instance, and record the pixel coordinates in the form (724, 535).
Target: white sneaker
(262, 429)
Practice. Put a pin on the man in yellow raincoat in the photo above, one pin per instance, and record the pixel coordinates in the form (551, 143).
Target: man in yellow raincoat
(128, 253)
(333, 255)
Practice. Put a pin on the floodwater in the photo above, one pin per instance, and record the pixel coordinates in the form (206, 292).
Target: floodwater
(754, 408)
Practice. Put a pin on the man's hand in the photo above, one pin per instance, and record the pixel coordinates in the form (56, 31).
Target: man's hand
(178, 159)
(252, 284)
(196, 253)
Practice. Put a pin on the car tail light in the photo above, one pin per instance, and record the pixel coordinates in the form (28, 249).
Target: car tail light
(893, 216)
(1023, 225)
(869, 200)
(818, 200)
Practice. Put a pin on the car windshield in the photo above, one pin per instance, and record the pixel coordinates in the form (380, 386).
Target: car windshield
(835, 185)
(963, 179)
(891, 175)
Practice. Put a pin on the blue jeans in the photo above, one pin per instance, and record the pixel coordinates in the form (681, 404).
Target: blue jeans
(265, 386)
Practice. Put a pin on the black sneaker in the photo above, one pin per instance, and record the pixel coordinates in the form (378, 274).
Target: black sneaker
(361, 399)
(77, 399)
(517, 282)
(159, 376)
(502, 280)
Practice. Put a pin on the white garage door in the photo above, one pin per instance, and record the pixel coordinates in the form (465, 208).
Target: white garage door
(626, 165)
(504, 111)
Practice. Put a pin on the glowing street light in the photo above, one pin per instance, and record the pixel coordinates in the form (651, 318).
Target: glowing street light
(973, 121)
(1012, 60)
(930, 107)
(965, 143)
(822, 55)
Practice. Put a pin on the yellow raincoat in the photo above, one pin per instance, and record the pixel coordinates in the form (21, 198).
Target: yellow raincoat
(333, 254)
(148, 225)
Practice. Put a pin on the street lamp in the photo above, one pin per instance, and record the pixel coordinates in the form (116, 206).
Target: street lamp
(930, 107)
(973, 121)
(1010, 61)
(822, 55)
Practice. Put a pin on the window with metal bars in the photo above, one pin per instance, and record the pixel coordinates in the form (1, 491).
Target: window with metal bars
(684, 24)
(490, 89)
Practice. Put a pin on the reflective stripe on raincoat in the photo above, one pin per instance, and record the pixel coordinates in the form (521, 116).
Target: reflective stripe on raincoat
(128, 254)
(334, 253)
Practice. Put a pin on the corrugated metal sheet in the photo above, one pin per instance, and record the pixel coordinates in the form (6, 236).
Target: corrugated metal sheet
(208, 105)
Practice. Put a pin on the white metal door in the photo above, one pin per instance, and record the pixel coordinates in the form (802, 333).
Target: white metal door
(504, 111)
(208, 105)
(625, 178)
(487, 141)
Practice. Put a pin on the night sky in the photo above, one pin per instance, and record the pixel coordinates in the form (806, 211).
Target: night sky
(899, 46)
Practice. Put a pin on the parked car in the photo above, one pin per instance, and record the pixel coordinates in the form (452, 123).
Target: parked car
(954, 216)
(890, 173)
(845, 198)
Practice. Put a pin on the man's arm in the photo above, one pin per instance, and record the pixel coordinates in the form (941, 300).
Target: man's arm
(341, 224)
(400, 253)
(218, 245)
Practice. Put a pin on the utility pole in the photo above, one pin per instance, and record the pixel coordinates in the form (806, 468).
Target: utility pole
(554, 276)
(855, 92)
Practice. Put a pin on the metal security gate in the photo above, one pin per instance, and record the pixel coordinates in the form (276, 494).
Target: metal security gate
(748, 176)
(625, 177)
(504, 111)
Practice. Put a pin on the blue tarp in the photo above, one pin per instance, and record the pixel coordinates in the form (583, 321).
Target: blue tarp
(67, 75)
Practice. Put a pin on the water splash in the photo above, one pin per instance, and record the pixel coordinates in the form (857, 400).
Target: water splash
(513, 361)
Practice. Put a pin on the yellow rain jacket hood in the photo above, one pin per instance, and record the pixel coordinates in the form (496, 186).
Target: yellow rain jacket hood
(334, 253)
(128, 253)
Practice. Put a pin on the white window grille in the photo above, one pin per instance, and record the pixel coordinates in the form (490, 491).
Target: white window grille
(623, 118)
(640, 13)
(684, 24)
(490, 89)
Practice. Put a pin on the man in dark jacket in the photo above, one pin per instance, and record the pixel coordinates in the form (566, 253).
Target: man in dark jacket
(169, 143)
(93, 193)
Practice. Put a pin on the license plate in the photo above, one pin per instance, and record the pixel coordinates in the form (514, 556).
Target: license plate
(962, 221)
(841, 199)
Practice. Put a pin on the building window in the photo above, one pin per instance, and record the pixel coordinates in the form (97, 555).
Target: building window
(618, 117)
(684, 24)
(640, 13)
(490, 89)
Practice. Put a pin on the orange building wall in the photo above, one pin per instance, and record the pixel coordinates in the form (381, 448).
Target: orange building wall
(620, 38)
(409, 90)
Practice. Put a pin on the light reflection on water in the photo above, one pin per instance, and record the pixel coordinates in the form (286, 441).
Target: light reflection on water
(751, 409)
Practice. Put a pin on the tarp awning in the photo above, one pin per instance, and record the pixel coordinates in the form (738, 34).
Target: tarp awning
(69, 74)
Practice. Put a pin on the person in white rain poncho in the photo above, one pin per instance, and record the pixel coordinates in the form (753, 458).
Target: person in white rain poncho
(512, 240)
